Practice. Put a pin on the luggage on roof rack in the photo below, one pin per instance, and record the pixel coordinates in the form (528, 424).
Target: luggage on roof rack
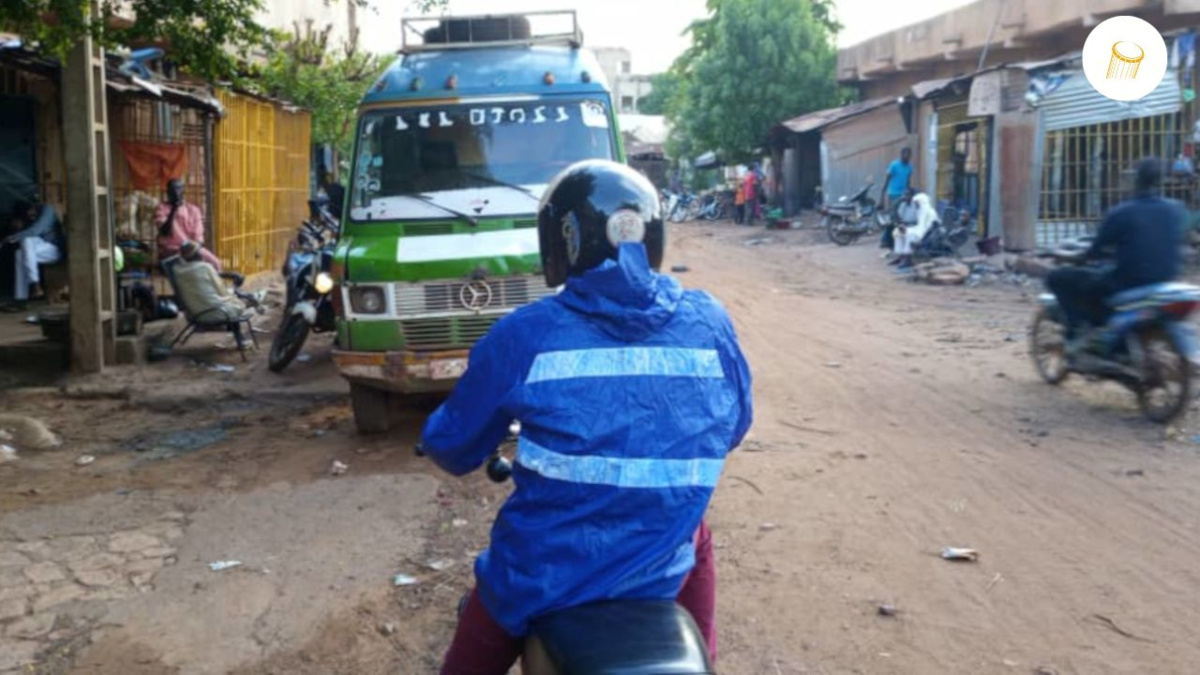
(493, 30)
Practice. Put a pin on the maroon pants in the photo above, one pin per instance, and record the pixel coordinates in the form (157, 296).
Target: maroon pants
(481, 647)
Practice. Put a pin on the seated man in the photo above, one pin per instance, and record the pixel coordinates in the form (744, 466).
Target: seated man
(909, 234)
(203, 290)
(906, 209)
(38, 238)
(1144, 235)
(178, 221)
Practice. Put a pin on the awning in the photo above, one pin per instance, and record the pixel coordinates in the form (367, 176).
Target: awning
(644, 150)
(129, 85)
(930, 88)
(1075, 103)
(15, 55)
(822, 118)
(707, 161)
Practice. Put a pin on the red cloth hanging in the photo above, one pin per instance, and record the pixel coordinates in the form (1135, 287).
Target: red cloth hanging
(151, 165)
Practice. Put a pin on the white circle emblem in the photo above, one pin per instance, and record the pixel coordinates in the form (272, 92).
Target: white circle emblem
(1125, 58)
(626, 226)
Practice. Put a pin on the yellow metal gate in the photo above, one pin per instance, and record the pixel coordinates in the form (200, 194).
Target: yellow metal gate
(262, 189)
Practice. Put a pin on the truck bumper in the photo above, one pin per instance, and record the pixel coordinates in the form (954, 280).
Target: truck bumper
(403, 372)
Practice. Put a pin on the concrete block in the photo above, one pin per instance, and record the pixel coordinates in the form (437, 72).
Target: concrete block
(131, 350)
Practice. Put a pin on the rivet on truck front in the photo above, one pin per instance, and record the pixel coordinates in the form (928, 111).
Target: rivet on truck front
(456, 143)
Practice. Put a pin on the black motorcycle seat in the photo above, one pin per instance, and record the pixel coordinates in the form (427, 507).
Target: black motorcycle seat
(639, 637)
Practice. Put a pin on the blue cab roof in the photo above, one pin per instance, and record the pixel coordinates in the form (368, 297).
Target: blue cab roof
(489, 71)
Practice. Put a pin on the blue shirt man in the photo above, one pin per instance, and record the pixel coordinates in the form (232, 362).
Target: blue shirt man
(899, 176)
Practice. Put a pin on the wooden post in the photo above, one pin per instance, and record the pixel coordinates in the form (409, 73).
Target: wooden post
(89, 208)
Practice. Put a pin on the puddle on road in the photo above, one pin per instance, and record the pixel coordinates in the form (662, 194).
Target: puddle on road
(173, 444)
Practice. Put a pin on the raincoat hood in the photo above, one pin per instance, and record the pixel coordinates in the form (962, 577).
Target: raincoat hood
(625, 298)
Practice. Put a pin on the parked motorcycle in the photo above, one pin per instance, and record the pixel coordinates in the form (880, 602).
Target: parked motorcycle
(947, 235)
(714, 206)
(309, 306)
(685, 207)
(1147, 344)
(852, 218)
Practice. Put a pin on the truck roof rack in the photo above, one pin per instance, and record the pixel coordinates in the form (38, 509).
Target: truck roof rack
(490, 30)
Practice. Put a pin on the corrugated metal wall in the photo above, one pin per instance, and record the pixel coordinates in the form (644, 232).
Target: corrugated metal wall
(859, 151)
(1076, 104)
(262, 185)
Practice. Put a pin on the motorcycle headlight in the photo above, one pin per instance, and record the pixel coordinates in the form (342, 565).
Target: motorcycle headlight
(323, 284)
(367, 300)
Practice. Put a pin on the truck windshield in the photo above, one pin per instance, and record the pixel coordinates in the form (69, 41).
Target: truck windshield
(489, 159)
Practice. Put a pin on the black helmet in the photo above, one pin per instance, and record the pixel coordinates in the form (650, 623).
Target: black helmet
(591, 208)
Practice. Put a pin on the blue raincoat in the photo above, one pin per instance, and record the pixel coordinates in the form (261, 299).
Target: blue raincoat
(630, 392)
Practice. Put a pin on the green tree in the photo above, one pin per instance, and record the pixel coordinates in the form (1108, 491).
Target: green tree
(304, 68)
(752, 64)
(206, 37)
(664, 86)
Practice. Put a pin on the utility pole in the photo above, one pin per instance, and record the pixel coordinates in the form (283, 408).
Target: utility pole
(89, 206)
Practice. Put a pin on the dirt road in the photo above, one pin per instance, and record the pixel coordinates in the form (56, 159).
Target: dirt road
(892, 420)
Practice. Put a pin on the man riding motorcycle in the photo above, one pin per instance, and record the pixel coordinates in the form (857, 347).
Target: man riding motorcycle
(630, 392)
(1144, 236)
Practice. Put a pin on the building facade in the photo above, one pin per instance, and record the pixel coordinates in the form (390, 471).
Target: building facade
(628, 89)
(1010, 130)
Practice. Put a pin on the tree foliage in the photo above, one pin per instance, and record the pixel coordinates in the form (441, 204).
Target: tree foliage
(430, 6)
(752, 63)
(663, 89)
(206, 37)
(306, 69)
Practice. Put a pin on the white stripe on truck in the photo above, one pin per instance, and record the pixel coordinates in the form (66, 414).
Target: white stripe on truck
(504, 243)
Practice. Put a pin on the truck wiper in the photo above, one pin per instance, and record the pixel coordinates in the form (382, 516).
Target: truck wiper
(429, 200)
(500, 183)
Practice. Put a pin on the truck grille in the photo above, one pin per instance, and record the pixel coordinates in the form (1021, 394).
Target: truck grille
(442, 315)
(446, 333)
(456, 297)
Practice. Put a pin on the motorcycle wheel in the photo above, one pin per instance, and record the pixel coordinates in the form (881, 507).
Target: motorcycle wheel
(1165, 389)
(1048, 347)
(835, 226)
(287, 343)
(957, 237)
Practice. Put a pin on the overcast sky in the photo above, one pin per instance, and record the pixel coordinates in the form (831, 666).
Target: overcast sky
(651, 29)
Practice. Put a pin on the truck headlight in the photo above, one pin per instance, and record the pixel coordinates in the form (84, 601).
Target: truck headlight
(323, 284)
(367, 300)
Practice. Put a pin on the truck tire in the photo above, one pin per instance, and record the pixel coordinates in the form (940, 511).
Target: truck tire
(372, 409)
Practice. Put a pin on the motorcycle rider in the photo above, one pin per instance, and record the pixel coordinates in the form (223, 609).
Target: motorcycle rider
(630, 392)
(1143, 235)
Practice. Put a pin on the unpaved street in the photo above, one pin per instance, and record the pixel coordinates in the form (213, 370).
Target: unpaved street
(892, 420)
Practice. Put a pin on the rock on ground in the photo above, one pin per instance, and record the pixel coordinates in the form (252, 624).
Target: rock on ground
(29, 433)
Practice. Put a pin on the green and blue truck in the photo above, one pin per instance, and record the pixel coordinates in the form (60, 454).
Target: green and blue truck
(456, 142)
